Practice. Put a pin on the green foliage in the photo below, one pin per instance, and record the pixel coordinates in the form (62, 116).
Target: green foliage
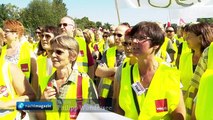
(9, 11)
(85, 23)
(98, 24)
(106, 26)
(208, 20)
(43, 12)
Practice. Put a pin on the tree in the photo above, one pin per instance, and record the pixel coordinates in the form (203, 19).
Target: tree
(9, 11)
(98, 24)
(106, 25)
(208, 20)
(84, 23)
(43, 12)
(59, 10)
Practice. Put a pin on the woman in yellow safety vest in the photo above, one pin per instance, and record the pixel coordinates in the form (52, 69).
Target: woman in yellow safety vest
(149, 89)
(198, 37)
(19, 53)
(13, 88)
(203, 80)
(68, 89)
(45, 68)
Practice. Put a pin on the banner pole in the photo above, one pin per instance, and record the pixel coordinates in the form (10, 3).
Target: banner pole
(117, 11)
(169, 15)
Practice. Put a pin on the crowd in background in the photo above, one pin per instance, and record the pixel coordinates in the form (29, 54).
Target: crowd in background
(145, 71)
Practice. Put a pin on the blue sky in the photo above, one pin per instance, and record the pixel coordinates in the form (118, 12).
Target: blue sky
(105, 11)
(96, 10)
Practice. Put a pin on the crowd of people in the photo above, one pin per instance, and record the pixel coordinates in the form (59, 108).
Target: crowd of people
(144, 71)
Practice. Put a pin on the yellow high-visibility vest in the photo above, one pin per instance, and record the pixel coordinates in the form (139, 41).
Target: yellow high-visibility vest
(186, 70)
(82, 59)
(43, 75)
(24, 62)
(161, 99)
(111, 59)
(204, 106)
(7, 90)
(69, 102)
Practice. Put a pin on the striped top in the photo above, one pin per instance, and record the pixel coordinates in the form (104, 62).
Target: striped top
(200, 69)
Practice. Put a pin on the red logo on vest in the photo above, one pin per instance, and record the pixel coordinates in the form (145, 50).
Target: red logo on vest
(81, 53)
(24, 67)
(161, 105)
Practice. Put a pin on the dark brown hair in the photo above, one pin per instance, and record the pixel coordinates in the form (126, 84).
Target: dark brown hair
(149, 29)
(203, 29)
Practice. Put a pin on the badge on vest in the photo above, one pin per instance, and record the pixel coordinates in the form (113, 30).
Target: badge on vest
(138, 88)
(3, 91)
(25, 67)
(161, 105)
(81, 53)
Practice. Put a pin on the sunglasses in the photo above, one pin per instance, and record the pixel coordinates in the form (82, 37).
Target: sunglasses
(57, 52)
(38, 32)
(64, 24)
(169, 31)
(119, 35)
(126, 44)
(105, 36)
(46, 36)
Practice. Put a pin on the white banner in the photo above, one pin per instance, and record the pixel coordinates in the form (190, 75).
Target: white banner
(173, 4)
(165, 10)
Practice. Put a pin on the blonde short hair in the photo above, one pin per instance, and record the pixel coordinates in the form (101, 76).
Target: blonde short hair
(66, 42)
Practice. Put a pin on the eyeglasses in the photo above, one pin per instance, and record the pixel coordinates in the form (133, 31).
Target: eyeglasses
(126, 44)
(11, 31)
(105, 36)
(169, 31)
(46, 36)
(57, 52)
(64, 24)
(117, 34)
(141, 38)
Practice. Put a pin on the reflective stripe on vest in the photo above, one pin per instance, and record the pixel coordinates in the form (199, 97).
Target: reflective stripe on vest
(160, 100)
(186, 70)
(210, 57)
(69, 102)
(7, 91)
(189, 101)
(111, 59)
(82, 59)
(204, 106)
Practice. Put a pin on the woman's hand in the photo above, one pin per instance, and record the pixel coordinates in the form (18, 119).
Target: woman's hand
(49, 93)
(2, 105)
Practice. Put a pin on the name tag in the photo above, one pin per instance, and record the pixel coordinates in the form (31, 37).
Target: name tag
(138, 88)
(161, 105)
(25, 67)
